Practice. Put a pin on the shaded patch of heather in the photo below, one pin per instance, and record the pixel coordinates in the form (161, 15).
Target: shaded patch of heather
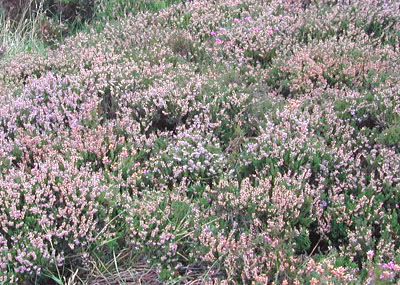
(218, 141)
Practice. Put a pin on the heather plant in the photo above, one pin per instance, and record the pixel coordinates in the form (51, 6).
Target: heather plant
(205, 141)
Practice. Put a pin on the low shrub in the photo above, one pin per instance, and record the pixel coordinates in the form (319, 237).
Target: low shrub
(229, 142)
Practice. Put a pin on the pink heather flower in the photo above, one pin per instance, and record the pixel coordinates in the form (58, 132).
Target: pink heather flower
(173, 247)
(256, 29)
(370, 254)
(323, 204)
(396, 268)
(385, 275)
(390, 265)
(218, 41)
(270, 31)
(247, 19)
(106, 160)
(236, 20)
(213, 33)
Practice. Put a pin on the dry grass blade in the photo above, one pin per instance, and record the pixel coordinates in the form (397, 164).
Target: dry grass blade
(20, 34)
(139, 274)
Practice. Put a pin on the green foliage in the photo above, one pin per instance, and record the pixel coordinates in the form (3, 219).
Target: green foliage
(303, 242)
(338, 233)
(391, 136)
(345, 261)
(111, 10)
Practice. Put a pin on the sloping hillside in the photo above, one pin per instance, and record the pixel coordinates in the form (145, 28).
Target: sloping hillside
(205, 141)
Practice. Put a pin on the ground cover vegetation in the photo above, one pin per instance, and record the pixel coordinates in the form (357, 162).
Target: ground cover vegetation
(228, 141)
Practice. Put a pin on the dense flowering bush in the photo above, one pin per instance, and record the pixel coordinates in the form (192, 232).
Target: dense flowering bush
(221, 141)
